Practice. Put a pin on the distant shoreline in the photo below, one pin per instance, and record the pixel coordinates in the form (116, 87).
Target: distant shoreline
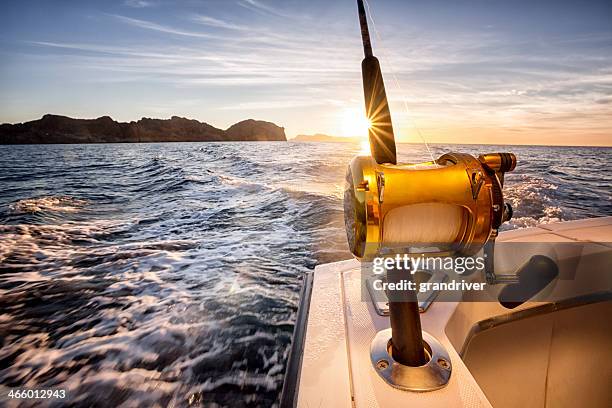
(56, 129)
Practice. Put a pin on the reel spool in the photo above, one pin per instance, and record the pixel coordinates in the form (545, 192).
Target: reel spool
(450, 207)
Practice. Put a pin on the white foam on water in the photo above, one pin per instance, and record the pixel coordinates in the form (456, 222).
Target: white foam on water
(64, 204)
(532, 201)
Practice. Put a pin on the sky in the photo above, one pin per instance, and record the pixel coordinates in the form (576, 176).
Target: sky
(479, 71)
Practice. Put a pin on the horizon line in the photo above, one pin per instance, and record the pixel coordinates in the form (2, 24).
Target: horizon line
(452, 143)
(351, 139)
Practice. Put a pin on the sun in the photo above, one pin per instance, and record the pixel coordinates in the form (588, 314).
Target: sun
(354, 123)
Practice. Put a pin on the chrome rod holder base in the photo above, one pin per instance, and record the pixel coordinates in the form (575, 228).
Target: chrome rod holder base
(431, 376)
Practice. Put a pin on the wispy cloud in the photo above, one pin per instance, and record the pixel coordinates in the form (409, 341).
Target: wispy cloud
(284, 103)
(199, 66)
(263, 8)
(241, 35)
(217, 23)
(139, 3)
(148, 25)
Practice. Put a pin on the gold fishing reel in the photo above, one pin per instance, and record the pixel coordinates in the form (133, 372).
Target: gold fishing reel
(451, 206)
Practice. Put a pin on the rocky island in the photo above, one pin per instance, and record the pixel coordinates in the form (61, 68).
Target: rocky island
(62, 129)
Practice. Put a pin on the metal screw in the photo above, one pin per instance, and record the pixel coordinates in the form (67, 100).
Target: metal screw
(444, 364)
(382, 364)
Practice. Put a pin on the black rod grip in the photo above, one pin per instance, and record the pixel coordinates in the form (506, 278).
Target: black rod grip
(380, 133)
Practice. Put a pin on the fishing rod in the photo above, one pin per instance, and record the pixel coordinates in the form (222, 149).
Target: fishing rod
(380, 131)
(404, 312)
(452, 206)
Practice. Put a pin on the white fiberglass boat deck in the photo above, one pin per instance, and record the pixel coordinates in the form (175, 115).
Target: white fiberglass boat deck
(539, 354)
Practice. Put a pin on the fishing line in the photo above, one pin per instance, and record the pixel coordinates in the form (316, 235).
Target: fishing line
(397, 84)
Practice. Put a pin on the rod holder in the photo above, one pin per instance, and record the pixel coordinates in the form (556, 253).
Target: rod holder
(432, 375)
(404, 356)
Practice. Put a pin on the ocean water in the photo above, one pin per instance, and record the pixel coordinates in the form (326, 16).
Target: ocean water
(168, 274)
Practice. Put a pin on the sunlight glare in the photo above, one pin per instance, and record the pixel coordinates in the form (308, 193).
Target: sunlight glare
(355, 123)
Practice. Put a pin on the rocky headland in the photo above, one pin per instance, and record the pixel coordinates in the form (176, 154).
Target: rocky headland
(62, 129)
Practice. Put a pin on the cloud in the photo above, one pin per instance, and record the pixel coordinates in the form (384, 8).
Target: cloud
(139, 3)
(214, 22)
(242, 34)
(262, 8)
(211, 64)
(274, 104)
(148, 25)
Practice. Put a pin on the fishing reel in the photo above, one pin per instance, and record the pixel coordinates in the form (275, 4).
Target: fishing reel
(452, 206)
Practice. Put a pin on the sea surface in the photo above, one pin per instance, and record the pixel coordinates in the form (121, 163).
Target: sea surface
(169, 274)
